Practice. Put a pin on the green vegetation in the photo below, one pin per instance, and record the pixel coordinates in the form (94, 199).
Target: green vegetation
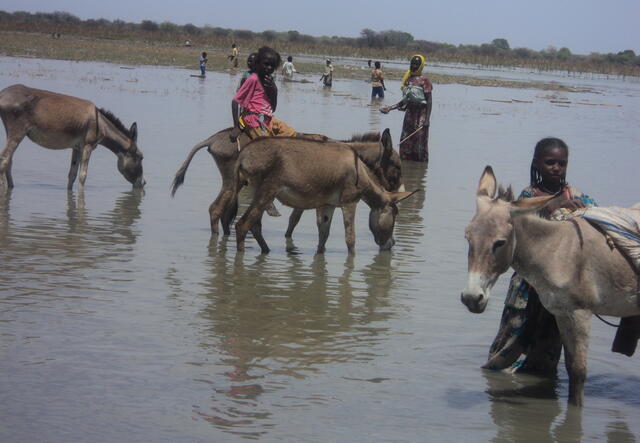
(148, 42)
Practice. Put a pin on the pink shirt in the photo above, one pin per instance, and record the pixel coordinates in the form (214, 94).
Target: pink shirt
(253, 98)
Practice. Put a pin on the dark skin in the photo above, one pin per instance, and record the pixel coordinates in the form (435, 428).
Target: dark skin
(413, 66)
(552, 166)
(265, 68)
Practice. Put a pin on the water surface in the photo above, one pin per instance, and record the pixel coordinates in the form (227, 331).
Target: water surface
(121, 319)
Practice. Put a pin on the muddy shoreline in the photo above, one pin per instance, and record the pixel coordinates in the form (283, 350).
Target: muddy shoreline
(135, 52)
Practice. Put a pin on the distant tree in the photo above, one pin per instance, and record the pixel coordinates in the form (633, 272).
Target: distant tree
(397, 39)
(269, 35)
(368, 36)
(501, 43)
(564, 53)
(243, 34)
(220, 32)
(293, 36)
(523, 52)
(148, 25)
(191, 29)
(626, 57)
(168, 27)
(487, 49)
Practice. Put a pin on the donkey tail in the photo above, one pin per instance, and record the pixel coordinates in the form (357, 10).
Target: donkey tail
(178, 180)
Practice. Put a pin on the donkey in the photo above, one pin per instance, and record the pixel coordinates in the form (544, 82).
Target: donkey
(574, 270)
(57, 121)
(310, 174)
(374, 149)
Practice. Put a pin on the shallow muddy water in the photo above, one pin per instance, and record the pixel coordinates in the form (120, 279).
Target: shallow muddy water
(121, 319)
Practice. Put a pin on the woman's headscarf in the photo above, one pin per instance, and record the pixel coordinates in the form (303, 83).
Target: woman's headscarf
(409, 73)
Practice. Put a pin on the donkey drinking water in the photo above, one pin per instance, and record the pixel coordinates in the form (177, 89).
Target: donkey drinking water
(57, 121)
(574, 270)
(374, 149)
(311, 174)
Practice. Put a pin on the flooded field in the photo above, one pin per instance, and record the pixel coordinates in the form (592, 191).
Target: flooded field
(121, 319)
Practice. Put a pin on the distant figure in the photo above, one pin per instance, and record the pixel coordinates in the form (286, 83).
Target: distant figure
(327, 77)
(233, 57)
(369, 62)
(288, 69)
(416, 103)
(187, 43)
(203, 64)
(377, 82)
(251, 59)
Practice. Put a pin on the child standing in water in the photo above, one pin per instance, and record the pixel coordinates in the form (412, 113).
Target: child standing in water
(327, 77)
(528, 338)
(288, 69)
(377, 82)
(233, 57)
(258, 98)
(203, 63)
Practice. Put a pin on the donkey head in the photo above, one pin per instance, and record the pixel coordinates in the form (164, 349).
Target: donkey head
(382, 219)
(388, 168)
(491, 238)
(130, 160)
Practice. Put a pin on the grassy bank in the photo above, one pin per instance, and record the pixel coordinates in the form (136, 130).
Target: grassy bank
(164, 53)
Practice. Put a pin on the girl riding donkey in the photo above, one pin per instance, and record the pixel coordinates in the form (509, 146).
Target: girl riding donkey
(258, 97)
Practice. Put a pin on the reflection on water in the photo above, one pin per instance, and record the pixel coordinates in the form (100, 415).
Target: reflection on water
(65, 249)
(278, 319)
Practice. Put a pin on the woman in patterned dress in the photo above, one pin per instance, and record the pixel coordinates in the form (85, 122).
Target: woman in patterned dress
(416, 104)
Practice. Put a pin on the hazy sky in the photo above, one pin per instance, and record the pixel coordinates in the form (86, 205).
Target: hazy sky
(584, 26)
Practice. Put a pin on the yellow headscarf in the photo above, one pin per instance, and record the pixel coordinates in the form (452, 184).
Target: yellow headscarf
(409, 73)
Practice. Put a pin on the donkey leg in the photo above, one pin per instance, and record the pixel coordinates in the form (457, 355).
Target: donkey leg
(229, 215)
(294, 219)
(84, 163)
(574, 330)
(8, 174)
(349, 216)
(217, 208)
(6, 158)
(73, 170)
(246, 223)
(324, 215)
(256, 230)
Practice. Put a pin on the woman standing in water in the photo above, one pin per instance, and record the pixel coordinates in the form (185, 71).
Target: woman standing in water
(416, 103)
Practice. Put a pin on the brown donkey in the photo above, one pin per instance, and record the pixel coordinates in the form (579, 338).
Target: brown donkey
(310, 174)
(375, 150)
(570, 263)
(57, 121)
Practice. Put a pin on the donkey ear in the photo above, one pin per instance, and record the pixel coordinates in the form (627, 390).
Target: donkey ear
(134, 131)
(487, 186)
(385, 139)
(532, 204)
(386, 148)
(399, 196)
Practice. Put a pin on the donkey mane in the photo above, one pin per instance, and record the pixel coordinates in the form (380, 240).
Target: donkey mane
(371, 136)
(116, 122)
(505, 194)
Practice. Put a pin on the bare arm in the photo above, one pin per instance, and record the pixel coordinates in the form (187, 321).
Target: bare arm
(235, 132)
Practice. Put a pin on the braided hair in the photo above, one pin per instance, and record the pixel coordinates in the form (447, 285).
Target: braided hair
(541, 146)
(267, 81)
